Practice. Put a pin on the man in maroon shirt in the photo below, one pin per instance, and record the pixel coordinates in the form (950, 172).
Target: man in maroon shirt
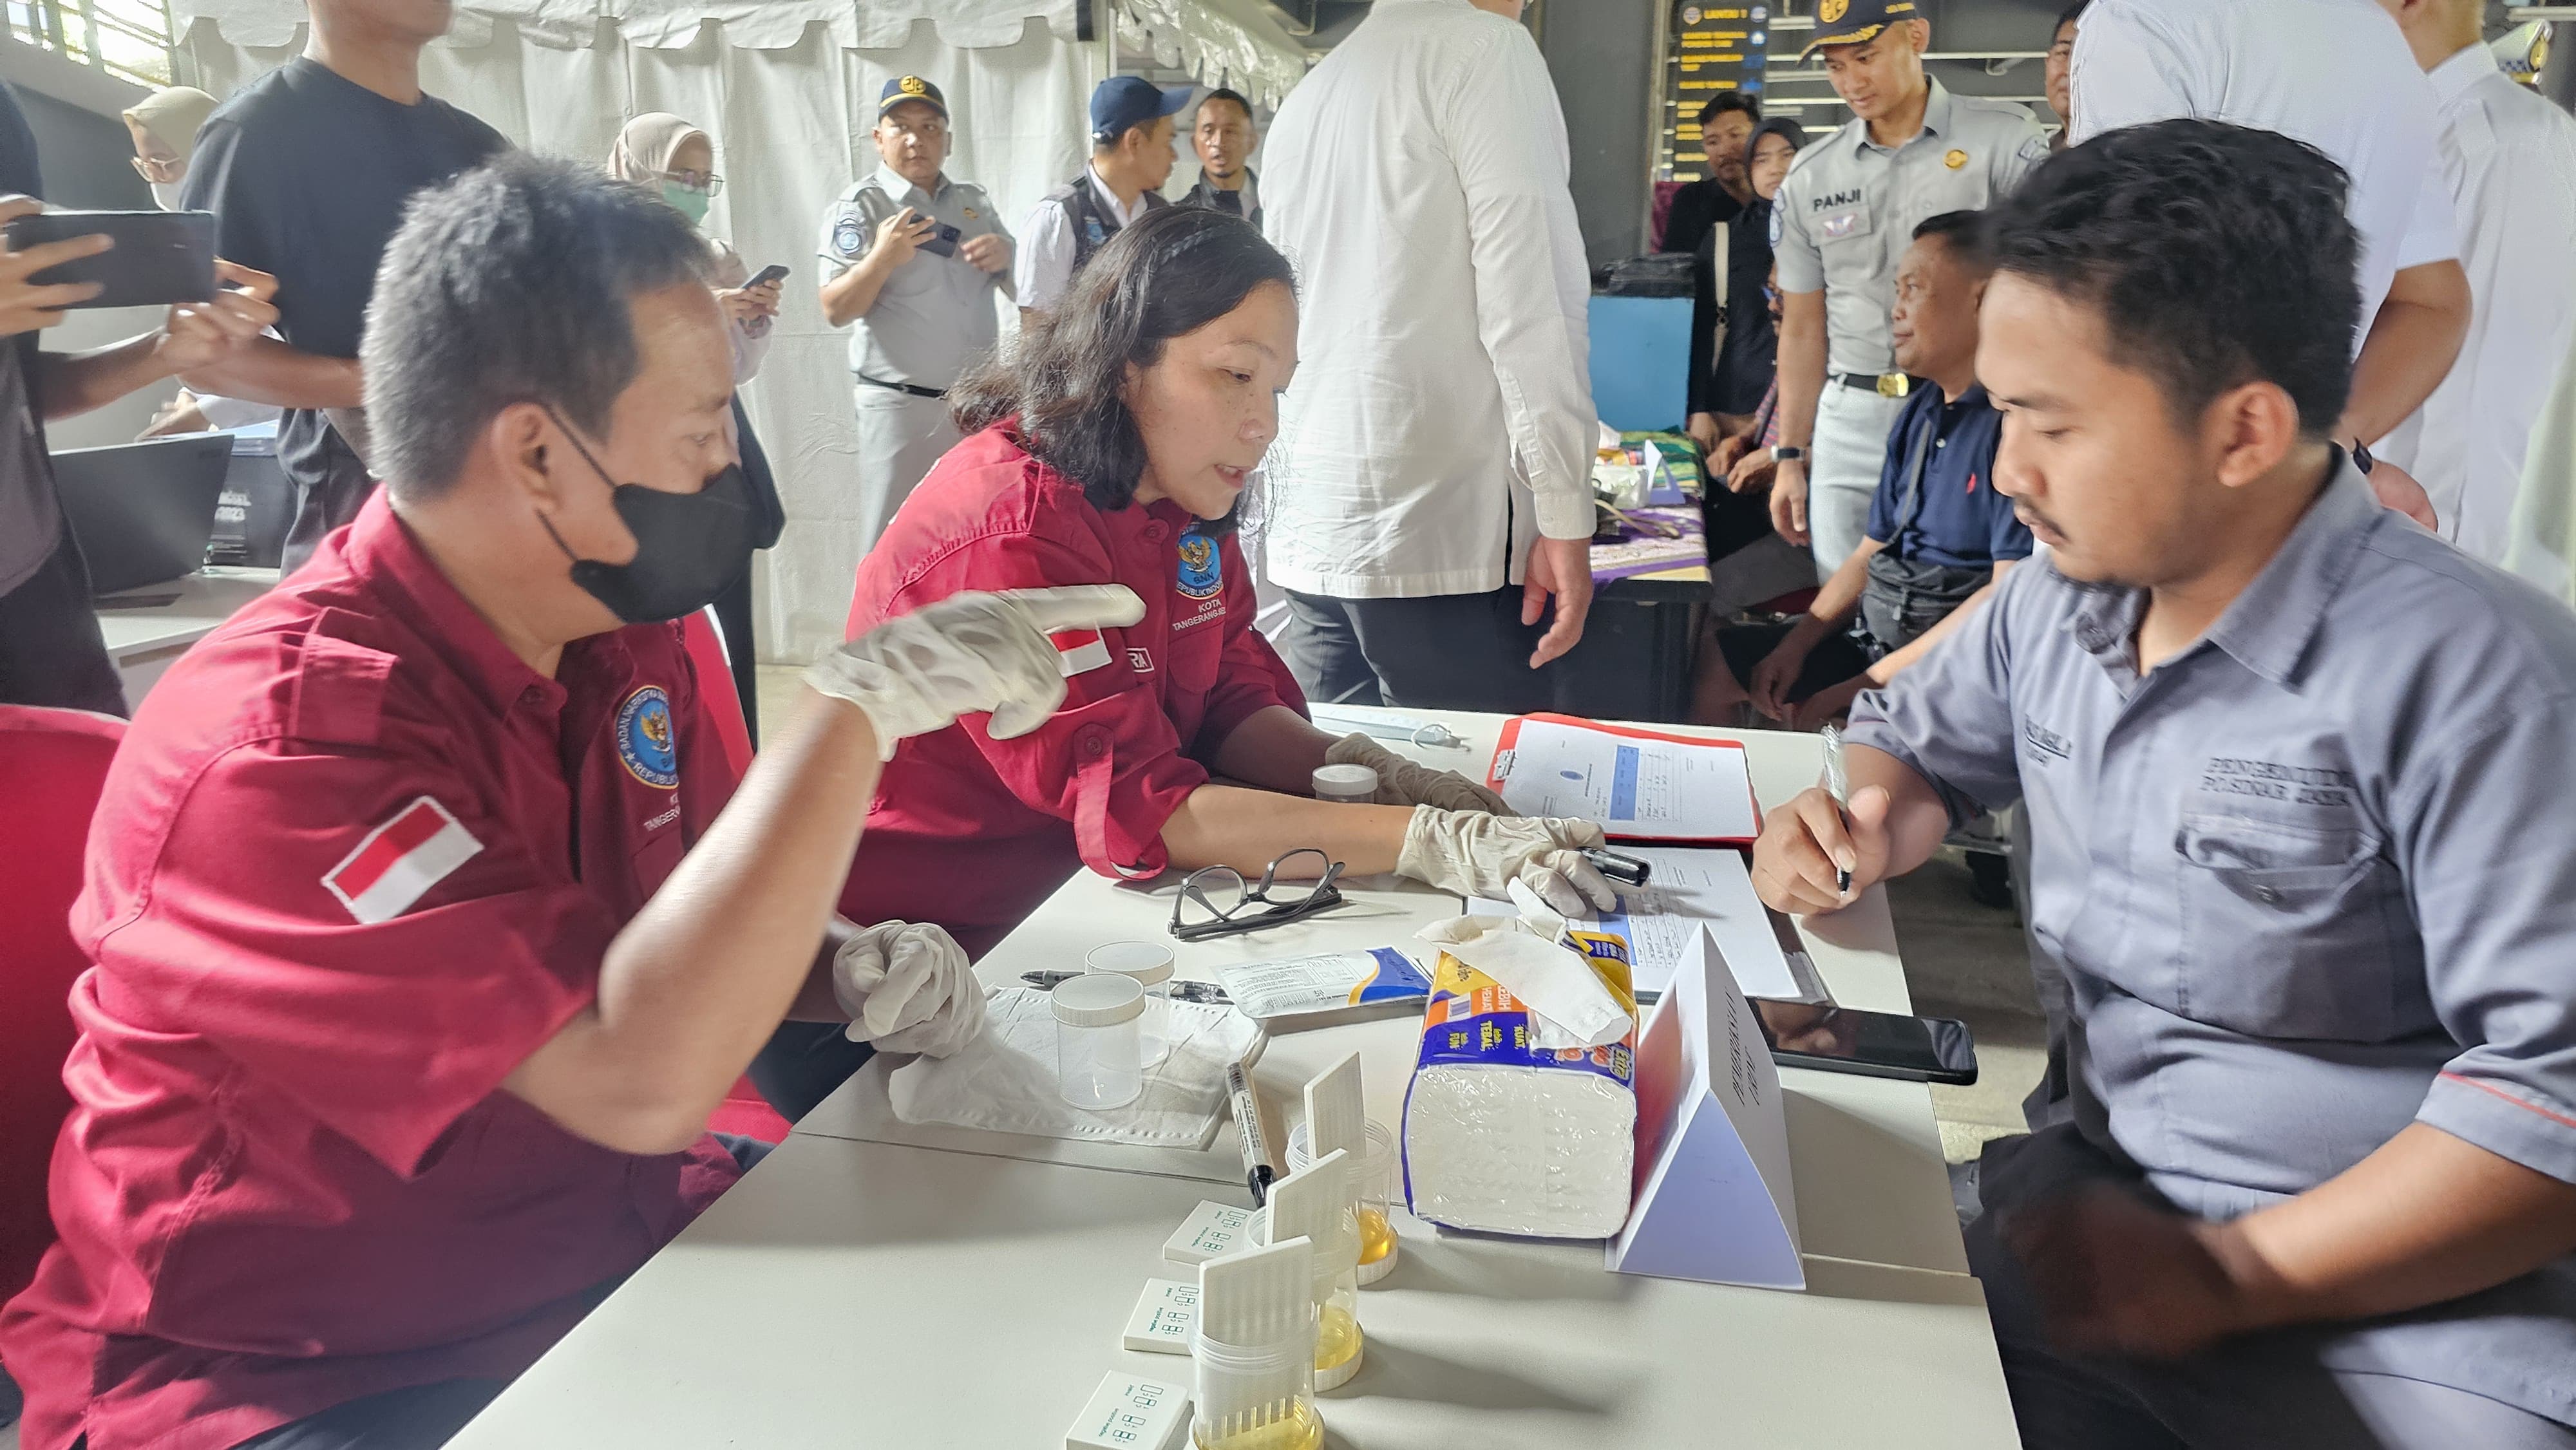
(424, 937)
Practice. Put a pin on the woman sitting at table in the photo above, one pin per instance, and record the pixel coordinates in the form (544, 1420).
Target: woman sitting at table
(1113, 447)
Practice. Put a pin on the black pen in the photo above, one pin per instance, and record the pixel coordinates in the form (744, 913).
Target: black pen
(1838, 785)
(1625, 869)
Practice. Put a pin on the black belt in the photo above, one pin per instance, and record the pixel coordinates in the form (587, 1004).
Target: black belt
(1886, 385)
(901, 387)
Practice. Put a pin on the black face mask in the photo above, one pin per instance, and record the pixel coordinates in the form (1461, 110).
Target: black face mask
(689, 547)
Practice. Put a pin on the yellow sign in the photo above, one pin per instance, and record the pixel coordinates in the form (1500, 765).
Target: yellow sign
(1832, 10)
(1955, 160)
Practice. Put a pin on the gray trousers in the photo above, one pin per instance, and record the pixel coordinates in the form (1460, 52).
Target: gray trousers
(1850, 451)
(2259, 1392)
(900, 437)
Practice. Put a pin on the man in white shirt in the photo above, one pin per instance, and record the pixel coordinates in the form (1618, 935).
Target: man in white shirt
(2337, 75)
(1431, 486)
(1131, 158)
(2509, 160)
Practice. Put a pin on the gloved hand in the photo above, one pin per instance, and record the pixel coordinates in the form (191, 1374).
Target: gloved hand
(1479, 855)
(1401, 782)
(908, 988)
(968, 652)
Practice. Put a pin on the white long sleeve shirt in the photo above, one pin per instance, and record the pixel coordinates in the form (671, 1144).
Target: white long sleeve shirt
(1441, 418)
(2334, 73)
(2509, 158)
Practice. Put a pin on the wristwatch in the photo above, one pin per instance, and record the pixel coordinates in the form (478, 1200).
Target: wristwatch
(2361, 458)
(1788, 453)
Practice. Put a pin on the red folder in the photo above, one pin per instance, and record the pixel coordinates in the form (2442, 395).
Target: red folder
(1510, 739)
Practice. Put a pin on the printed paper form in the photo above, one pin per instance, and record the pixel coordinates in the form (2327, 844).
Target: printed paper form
(1687, 889)
(1655, 789)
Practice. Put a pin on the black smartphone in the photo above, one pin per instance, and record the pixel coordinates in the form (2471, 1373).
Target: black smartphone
(160, 257)
(1871, 1044)
(774, 272)
(942, 241)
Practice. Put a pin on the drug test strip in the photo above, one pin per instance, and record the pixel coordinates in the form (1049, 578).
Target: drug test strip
(1211, 1229)
(1165, 1314)
(1129, 1412)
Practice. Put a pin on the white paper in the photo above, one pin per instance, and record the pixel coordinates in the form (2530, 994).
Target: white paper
(1686, 889)
(1553, 982)
(1651, 789)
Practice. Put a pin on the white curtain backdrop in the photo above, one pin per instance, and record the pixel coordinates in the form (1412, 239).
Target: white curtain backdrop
(790, 112)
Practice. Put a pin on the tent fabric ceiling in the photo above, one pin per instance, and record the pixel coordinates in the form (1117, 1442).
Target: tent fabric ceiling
(674, 24)
(1236, 43)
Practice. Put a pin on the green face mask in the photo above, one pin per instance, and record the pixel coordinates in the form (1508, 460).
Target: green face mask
(688, 201)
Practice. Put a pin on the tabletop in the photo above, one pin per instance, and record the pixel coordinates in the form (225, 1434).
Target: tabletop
(873, 1283)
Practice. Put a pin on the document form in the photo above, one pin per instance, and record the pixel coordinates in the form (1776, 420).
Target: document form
(1638, 788)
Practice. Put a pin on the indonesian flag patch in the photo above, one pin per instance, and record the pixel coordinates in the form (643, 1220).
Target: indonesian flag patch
(1079, 651)
(400, 860)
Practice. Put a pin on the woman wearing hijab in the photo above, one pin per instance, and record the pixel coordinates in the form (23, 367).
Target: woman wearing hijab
(164, 126)
(677, 162)
(1728, 378)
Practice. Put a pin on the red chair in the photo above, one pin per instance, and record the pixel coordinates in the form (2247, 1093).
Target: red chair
(51, 765)
(744, 1111)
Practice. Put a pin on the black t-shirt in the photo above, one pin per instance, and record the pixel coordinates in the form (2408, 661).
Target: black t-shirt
(1698, 206)
(307, 174)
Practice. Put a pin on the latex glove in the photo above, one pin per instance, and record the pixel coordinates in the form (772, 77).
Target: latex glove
(1479, 855)
(908, 988)
(969, 652)
(1401, 782)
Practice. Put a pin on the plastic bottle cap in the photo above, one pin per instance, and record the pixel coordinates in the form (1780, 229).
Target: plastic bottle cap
(1345, 782)
(1148, 964)
(1098, 999)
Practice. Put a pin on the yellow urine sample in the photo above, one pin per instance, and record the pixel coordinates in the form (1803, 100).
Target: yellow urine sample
(1337, 1339)
(1377, 1236)
(1300, 1429)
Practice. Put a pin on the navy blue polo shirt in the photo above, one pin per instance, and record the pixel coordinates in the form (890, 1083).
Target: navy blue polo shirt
(1936, 498)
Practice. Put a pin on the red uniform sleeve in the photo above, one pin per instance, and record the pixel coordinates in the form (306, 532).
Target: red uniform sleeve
(1110, 761)
(383, 965)
(1251, 677)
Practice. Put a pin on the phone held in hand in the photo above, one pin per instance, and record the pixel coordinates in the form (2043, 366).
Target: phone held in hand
(160, 257)
(1829, 1038)
(942, 241)
(774, 272)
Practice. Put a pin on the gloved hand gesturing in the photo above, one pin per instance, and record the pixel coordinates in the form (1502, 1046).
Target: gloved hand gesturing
(1479, 855)
(1401, 782)
(968, 652)
(908, 988)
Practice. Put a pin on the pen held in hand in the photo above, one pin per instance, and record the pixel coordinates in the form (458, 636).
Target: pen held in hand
(1838, 785)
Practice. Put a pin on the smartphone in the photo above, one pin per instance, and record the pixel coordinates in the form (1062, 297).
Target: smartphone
(774, 272)
(1871, 1044)
(160, 257)
(943, 240)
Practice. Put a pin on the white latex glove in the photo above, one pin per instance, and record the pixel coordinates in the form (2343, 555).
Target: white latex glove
(1479, 855)
(1401, 782)
(908, 988)
(965, 653)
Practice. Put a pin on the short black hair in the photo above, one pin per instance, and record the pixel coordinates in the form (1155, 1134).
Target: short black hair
(2216, 255)
(1170, 272)
(1963, 232)
(1223, 93)
(1725, 101)
(509, 284)
(2067, 17)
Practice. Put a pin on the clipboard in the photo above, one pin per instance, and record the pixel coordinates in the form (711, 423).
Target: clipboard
(1508, 745)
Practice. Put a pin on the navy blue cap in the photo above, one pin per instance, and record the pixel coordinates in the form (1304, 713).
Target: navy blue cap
(1122, 102)
(910, 88)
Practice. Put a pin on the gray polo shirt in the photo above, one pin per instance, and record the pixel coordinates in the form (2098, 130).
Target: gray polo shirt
(2310, 880)
(935, 312)
(1849, 208)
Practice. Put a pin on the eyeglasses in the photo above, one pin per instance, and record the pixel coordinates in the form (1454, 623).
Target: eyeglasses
(925, 130)
(158, 170)
(1215, 901)
(706, 181)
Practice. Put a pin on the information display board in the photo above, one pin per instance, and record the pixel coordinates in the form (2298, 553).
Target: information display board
(1714, 48)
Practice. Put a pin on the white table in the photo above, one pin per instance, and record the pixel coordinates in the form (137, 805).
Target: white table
(878, 1284)
(145, 641)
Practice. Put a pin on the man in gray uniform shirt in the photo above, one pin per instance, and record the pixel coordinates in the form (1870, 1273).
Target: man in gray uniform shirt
(2297, 775)
(918, 301)
(1845, 216)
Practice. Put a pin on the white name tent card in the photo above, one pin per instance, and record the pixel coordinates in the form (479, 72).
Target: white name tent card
(1714, 1202)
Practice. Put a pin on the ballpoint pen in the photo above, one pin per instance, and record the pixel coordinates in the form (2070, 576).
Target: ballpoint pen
(1838, 785)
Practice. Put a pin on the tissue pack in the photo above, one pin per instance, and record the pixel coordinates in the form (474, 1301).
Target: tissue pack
(1511, 1126)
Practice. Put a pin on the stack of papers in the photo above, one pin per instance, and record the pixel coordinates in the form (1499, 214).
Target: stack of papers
(1690, 889)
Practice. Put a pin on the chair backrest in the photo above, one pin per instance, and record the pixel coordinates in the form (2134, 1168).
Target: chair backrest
(51, 765)
(716, 688)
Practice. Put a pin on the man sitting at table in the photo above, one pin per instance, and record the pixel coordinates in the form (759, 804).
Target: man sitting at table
(2296, 774)
(1940, 537)
(424, 938)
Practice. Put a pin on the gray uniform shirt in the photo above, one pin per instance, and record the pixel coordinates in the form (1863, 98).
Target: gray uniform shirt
(1849, 208)
(2309, 881)
(936, 312)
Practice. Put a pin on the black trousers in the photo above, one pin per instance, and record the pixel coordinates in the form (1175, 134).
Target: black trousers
(51, 651)
(1443, 652)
